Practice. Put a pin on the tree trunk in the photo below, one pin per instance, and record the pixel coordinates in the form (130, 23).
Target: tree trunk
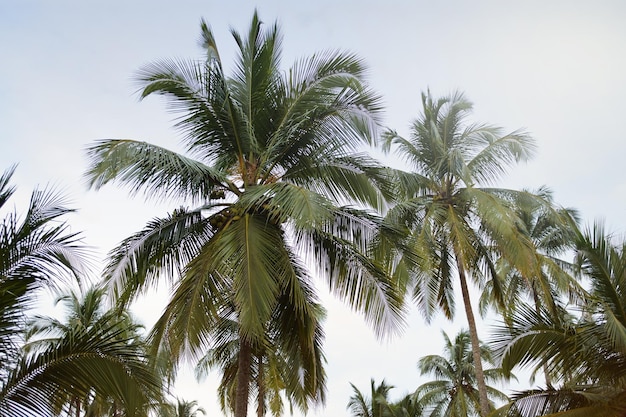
(242, 394)
(478, 363)
(260, 382)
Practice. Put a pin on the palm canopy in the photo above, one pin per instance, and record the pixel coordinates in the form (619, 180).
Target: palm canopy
(266, 151)
(39, 251)
(284, 364)
(94, 360)
(273, 164)
(552, 230)
(453, 224)
(376, 404)
(585, 347)
(454, 391)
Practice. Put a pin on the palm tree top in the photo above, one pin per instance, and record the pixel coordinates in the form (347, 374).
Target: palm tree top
(453, 153)
(260, 125)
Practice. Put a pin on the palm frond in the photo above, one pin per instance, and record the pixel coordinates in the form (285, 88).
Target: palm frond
(162, 248)
(154, 170)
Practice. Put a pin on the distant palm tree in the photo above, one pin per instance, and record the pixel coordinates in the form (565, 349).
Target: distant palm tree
(407, 406)
(114, 336)
(277, 363)
(586, 349)
(188, 409)
(376, 404)
(275, 169)
(552, 230)
(454, 393)
(38, 251)
(457, 227)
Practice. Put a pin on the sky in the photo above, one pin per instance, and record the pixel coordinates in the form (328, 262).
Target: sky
(555, 68)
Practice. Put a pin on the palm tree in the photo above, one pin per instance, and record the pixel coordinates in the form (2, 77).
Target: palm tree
(277, 363)
(454, 392)
(552, 231)
(184, 408)
(585, 349)
(454, 223)
(120, 345)
(407, 406)
(38, 251)
(375, 405)
(274, 167)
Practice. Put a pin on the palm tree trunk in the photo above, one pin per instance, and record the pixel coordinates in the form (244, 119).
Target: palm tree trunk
(478, 364)
(242, 394)
(260, 406)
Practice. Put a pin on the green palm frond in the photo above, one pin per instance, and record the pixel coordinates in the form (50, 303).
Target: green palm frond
(356, 178)
(6, 190)
(454, 391)
(497, 153)
(152, 169)
(36, 251)
(100, 357)
(162, 248)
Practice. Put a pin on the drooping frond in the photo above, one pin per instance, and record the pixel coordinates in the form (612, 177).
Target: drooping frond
(99, 356)
(163, 248)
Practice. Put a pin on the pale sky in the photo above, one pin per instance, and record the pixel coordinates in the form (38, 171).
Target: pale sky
(556, 68)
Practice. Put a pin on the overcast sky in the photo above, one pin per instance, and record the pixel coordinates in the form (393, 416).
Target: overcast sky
(555, 68)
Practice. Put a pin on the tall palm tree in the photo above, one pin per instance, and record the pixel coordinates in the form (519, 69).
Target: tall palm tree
(274, 167)
(586, 349)
(375, 405)
(455, 224)
(120, 345)
(454, 392)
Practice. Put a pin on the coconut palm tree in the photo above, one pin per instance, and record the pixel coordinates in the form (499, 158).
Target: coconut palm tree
(184, 408)
(120, 346)
(375, 405)
(552, 231)
(274, 167)
(456, 225)
(585, 349)
(38, 251)
(278, 365)
(454, 392)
